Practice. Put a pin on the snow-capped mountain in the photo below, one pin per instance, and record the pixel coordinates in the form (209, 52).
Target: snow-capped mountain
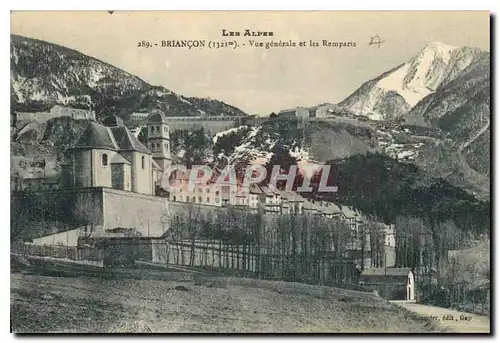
(44, 74)
(396, 92)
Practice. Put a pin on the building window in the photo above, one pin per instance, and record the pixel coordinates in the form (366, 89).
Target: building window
(409, 281)
(199, 190)
(194, 199)
(208, 190)
(158, 128)
(175, 198)
(217, 200)
(199, 199)
(208, 200)
(143, 162)
(216, 192)
(152, 129)
(104, 160)
(180, 197)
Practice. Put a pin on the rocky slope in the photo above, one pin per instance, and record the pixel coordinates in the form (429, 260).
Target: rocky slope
(461, 109)
(304, 141)
(397, 91)
(44, 74)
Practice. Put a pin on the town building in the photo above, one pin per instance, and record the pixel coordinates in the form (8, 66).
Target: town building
(324, 110)
(333, 211)
(257, 198)
(291, 202)
(272, 202)
(206, 193)
(224, 193)
(390, 283)
(298, 112)
(309, 208)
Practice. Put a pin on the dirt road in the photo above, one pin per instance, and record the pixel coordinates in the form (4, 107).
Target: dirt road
(451, 320)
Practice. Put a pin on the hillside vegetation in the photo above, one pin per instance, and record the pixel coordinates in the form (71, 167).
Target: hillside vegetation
(44, 74)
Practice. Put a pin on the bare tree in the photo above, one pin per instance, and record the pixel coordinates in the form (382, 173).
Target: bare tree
(88, 211)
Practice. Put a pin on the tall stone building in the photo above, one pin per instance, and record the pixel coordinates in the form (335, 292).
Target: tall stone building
(159, 139)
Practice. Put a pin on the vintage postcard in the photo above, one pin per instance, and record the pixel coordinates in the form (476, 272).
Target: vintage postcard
(250, 172)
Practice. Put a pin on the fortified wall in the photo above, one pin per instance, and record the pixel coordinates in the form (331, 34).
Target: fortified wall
(212, 124)
(55, 112)
(103, 208)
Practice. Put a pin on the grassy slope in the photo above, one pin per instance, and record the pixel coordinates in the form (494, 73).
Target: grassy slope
(212, 304)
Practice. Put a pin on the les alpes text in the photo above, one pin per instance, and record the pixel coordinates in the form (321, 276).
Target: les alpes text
(247, 32)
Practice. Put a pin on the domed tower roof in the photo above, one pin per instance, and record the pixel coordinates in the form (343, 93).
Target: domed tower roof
(113, 120)
(157, 117)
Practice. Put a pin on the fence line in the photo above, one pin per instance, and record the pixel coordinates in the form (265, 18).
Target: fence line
(59, 251)
(248, 260)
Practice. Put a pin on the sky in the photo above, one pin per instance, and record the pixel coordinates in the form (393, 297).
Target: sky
(254, 79)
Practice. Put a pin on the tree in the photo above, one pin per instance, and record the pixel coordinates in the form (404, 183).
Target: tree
(21, 213)
(88, 211)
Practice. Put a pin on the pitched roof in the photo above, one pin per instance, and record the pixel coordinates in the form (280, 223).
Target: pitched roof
(291, 109)
(384, 271)
(126, 141)
(156, 165)
(319, 208)
(119, 159)
(95, 136)
(290, 196)
(113, 120)
(284, 193)
(309, 206)
(267, 191)
(296, 198)
(332, 208)
(117, 138)
(255, 189)
(348, 212)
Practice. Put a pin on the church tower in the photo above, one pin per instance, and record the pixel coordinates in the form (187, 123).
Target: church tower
(159, 139)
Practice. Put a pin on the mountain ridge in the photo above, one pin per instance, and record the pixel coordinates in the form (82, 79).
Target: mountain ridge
(395, 92)
(44, 73)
